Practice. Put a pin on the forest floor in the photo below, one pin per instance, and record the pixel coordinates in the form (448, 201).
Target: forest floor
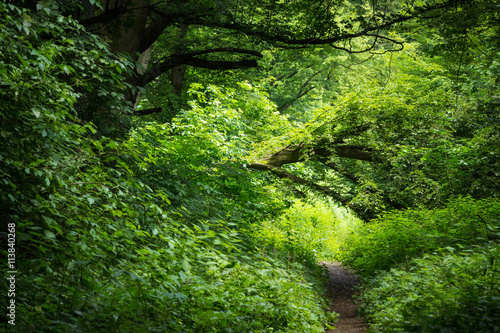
(341, 290)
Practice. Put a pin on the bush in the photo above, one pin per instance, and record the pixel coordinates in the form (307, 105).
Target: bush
(144, 234)
(309, 232)
(431, 270)
(437, 293)
(399, 236)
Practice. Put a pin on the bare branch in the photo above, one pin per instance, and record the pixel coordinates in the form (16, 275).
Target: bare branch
(191, 60)
(106, 16)
(147, 111)
(225, 49)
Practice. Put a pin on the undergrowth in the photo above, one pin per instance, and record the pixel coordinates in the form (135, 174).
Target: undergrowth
(309, 231)
(437, 293)
(430, 270)
(149, 231)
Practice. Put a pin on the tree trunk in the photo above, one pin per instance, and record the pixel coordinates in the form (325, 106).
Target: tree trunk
(125, 31)
(177, 73)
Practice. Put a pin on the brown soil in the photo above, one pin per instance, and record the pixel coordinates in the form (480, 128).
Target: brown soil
(340, 291)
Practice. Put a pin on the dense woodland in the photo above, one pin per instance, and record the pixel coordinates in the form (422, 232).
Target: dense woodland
(183, 165)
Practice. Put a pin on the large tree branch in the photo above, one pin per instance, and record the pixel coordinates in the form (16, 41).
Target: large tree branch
(107, 15)
(175, 12)
(158, 25)
(164, 14)
(192, 60)
(147, 111)
(299, 153)
(417, 13)
(288, 155)
(371, 29)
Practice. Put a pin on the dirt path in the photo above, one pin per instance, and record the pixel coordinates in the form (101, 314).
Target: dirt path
(340, 290)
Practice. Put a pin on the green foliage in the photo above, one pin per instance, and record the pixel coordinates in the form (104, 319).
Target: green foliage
(428, 113)
(265, 296)
(165, 230)
(309, 232)
(430, 270)
(41, 80)
(149, 233)
(431, 139)
(437, 293)
(210, 141)
(397, 237)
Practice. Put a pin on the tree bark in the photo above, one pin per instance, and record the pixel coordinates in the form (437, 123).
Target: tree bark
(299, 153)
(177, 72)
(192, 59)
(123, 25)
(322, 152)
(148, 111)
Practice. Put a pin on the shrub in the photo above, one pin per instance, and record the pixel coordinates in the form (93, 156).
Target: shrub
(309, 232)
(437, 293)
(399, 236)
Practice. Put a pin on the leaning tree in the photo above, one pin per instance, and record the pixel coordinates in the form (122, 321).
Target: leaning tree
(132, 27)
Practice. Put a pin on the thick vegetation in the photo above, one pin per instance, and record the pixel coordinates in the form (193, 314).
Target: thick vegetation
(286, 133)
(149, 233)
(431, 270)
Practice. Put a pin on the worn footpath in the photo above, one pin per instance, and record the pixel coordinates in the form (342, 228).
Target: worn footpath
(340, 291)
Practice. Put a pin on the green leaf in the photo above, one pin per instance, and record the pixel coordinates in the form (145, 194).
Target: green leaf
(185, 265)
(48, 220)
